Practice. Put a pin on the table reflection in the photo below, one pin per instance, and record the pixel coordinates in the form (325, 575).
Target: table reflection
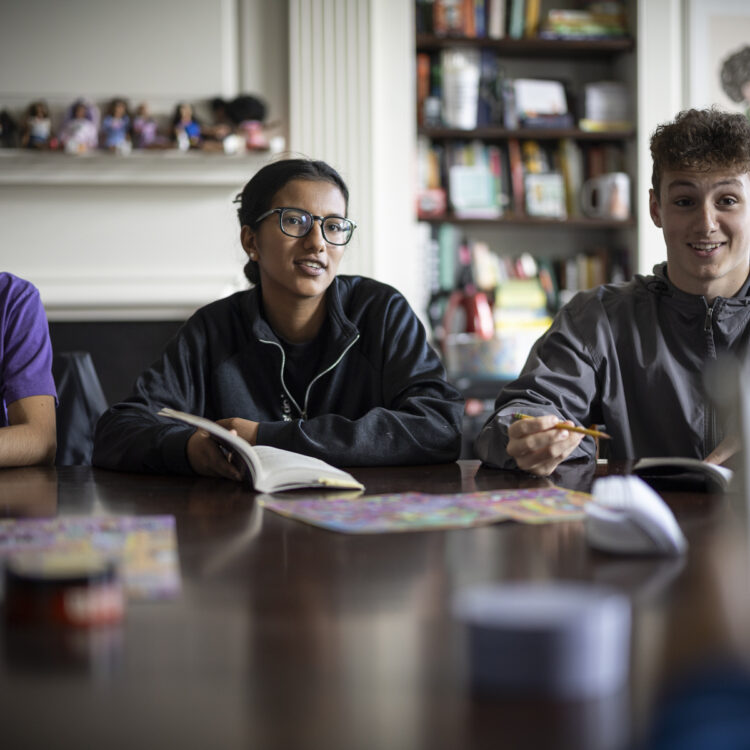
(28, 492)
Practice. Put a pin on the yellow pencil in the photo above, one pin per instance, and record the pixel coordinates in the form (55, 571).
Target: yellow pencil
(562, 426)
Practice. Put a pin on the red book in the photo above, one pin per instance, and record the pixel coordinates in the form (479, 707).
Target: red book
(423, 83)
(469, 18)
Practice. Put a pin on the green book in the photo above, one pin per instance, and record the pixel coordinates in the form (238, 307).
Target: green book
(517, 19)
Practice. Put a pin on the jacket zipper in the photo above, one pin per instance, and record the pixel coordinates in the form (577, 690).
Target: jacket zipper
(710, 429)
(281, 374)
(328, 369)
(303, 412)
(708, 321)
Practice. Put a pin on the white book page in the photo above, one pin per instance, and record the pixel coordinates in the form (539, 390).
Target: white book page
(272, 469)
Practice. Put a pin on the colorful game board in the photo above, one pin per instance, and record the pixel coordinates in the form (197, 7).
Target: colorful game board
(145, 546)
(416, 511)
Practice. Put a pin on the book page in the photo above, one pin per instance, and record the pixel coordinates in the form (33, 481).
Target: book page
(300, 470)
(272, 469)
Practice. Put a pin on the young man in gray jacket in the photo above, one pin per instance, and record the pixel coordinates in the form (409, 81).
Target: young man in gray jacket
(633, 356)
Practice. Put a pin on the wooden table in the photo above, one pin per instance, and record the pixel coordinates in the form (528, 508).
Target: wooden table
(288, 636)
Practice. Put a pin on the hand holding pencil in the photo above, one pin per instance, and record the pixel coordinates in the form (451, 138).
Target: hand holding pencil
(539, 444)
(569, 428)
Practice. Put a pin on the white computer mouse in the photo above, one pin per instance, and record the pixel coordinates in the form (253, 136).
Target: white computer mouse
(626, 516)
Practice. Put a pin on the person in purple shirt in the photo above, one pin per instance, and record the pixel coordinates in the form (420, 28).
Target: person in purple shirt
(27, 388)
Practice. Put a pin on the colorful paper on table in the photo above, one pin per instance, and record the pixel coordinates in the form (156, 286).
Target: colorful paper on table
(416, 511)
(145, 546)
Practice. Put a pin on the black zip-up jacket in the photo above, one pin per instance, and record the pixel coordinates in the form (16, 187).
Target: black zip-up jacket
(380, 397)
(631, 357)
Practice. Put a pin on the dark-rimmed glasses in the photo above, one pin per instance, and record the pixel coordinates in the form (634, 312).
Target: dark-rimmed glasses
(296, 222)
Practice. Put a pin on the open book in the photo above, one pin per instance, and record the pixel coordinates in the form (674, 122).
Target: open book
(674, 472)
(271, 469)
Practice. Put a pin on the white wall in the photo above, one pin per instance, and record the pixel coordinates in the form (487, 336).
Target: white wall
(150, 235)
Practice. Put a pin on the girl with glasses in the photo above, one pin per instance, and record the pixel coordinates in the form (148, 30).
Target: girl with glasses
(335, 367)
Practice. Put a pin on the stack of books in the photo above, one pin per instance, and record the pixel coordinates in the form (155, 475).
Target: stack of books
(519, 19)
(600, 21)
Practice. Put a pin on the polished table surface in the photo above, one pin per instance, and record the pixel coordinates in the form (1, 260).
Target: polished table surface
(289, 636)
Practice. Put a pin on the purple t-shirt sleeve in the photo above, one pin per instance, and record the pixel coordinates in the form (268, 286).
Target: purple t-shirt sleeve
(25, 349)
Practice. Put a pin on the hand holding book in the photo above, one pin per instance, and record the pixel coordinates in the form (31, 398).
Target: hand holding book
(269, 469)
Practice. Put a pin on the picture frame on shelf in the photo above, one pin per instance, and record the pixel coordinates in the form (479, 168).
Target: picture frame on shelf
(716, 30)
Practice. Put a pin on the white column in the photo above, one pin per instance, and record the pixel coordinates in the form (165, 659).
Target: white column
(661, 88)
(351, 68)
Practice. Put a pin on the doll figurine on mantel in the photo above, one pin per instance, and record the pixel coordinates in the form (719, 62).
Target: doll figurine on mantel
(115, 135)
(80, 130)
(146, 130)
(37, 128)
(248, 114)
(186, 129)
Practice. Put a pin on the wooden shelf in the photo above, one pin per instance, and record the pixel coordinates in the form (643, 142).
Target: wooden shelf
(548, 48)
(537, 134)
(512, 219)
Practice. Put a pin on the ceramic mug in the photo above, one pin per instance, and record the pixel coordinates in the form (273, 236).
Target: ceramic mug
(607, 196)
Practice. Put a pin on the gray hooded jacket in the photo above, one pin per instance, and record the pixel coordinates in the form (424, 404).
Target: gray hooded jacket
(631, 357)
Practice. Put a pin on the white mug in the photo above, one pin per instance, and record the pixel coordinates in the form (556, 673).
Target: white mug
(607, 196)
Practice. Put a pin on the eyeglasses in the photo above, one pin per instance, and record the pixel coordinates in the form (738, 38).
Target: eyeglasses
(296, 222)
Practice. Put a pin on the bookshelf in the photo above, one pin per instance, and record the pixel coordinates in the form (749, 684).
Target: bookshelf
(578, 250)
(575, 63)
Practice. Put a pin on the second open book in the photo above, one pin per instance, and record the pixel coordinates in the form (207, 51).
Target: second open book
(673, 472)
(271, 469)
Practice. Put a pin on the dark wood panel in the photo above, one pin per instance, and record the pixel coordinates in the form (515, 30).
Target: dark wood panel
(121, 350)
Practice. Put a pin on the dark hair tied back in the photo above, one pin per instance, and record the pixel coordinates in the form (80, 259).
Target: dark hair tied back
(256, 197)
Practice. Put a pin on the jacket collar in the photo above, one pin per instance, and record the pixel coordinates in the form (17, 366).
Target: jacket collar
(664, 285)
(342, 329)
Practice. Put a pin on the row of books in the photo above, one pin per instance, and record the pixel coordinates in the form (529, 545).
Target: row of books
(466, 88)
(455, 261)
(475, 179)
(517, 19)
(518, 294)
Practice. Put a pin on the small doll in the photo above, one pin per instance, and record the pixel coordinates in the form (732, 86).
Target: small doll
(248, 113)
(37, 130)
(222, 124)
(115, 135)
(186, 129)
(79, 132)
(145, 129)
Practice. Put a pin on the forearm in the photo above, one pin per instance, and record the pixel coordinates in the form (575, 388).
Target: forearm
(129, 438)
(381, 437)
(31, 437)
(27, 445)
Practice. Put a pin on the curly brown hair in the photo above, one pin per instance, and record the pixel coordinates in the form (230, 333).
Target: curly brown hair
(701, 139)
